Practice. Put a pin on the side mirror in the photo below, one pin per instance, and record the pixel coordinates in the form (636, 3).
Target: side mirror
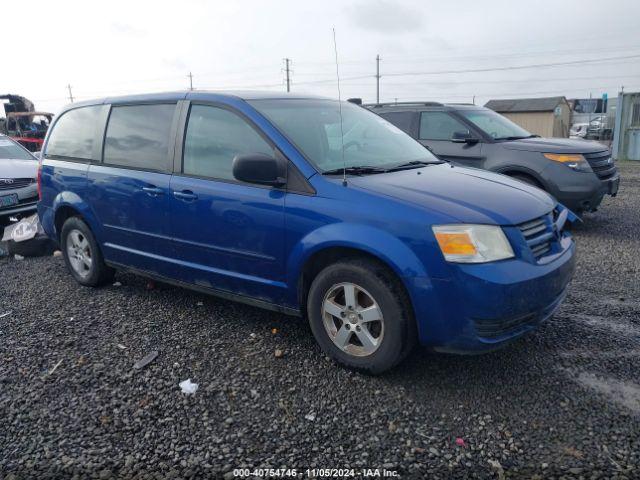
(464, 137)
(37, 154)
(260, 169)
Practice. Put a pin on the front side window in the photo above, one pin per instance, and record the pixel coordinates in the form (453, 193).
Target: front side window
(11, 150)
(368, 140)
(440, 126)
(74, 133)
(214, 137)
(138, 136)
(494, 124)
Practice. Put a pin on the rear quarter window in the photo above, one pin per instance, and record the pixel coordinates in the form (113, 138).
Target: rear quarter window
(73, 133)
(138, 136)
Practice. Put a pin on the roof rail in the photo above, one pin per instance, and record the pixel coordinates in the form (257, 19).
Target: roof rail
(424, 104)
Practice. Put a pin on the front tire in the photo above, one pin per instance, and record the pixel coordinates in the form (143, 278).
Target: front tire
(527, 179)
(361, 316)
(82, 254)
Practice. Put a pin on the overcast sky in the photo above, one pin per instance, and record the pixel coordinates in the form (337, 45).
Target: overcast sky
(122, 47)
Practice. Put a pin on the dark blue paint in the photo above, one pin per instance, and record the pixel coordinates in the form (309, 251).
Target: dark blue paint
(255, 241)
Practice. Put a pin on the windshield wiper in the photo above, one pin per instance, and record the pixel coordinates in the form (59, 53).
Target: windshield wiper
(517, 137)
(355, 170)
(413, 164)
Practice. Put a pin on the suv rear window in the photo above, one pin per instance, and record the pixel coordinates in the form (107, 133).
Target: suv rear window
(73, 134)
(402, 120)
(138, 136)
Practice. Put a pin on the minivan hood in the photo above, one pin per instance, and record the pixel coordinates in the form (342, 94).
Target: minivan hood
(13, 168)
(554, 145)
(467, 195)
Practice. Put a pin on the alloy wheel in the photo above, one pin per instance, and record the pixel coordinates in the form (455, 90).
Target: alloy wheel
(79, 253)
(353, 319)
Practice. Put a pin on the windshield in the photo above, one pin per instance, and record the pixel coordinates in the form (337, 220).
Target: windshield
(10, 149)
(494, 124)
(369, 140)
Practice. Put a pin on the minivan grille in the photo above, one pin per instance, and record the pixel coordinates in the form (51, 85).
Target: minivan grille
(601, 164)
(12, 183)
(539, 234)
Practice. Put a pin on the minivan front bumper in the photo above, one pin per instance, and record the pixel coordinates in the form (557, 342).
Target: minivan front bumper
(485, 306)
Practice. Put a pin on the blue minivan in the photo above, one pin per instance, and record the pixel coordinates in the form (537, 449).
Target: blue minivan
(307, 206)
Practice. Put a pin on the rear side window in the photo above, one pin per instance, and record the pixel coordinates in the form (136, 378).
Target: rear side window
(214, 137)
(74, 133)
(440, 126)
(138, 136)
(402, 120)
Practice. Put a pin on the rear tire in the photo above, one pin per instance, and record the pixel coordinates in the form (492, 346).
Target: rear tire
(82, 254)
(343, 303)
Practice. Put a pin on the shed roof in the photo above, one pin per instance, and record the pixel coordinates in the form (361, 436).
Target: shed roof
(545, 104)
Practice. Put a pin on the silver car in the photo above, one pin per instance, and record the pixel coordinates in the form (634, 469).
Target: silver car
(18, 185)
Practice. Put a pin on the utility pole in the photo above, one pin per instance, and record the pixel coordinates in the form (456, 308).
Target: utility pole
(287, 70)
(190, 81)
(70, 94)
(378, 78)
(474, 100)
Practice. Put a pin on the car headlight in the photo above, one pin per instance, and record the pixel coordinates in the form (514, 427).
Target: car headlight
(461, 243)
(574, 161)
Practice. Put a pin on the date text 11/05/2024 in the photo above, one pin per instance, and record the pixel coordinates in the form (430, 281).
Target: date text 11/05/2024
(314, 473)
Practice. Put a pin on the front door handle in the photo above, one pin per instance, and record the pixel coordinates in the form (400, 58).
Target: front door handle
(187, 195)
(153, 191)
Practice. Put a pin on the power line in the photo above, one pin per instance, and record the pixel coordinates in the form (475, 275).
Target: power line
(488, 53)
(526, 80)
(479, 55)
(516, 67)
(518, 94)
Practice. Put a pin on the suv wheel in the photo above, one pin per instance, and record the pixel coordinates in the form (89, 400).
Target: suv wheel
(360, 316)
(82, 254)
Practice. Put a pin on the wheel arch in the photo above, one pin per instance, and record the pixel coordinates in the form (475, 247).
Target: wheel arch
(314, 252)
(518, 170)
(70, 204)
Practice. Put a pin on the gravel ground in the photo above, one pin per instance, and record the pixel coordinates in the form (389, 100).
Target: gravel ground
(562, 402)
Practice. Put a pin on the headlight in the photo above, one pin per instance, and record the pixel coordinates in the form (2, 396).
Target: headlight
(472, 243)
(573, 161)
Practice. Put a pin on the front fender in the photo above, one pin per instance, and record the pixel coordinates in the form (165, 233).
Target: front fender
(524, 170)
(384, 246)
